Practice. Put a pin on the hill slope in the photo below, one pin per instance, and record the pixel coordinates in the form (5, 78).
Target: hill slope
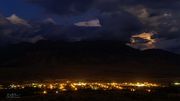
(88, 59)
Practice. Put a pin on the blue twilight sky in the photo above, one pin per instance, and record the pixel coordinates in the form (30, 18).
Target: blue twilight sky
(29, 11)
(21, 8)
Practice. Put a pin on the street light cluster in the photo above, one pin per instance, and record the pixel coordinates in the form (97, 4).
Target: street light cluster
(74, 86)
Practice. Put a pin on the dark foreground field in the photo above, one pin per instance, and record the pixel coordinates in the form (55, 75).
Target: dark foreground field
(101, 96)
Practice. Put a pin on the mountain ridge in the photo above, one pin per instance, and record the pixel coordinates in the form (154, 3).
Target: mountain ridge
(85, 58)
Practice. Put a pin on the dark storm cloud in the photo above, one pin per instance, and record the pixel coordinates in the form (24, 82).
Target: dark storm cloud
(154, 14)
(161, 4)
(153, 3)
(79, 6)
(64, 6)
(120, 25)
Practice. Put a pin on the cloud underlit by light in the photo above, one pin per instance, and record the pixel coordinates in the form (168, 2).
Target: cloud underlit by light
(143, 41)
(91, 23)
(17, 20)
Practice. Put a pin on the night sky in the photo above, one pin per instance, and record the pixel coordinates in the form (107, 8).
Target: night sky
(147, 23)
(66, 38)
